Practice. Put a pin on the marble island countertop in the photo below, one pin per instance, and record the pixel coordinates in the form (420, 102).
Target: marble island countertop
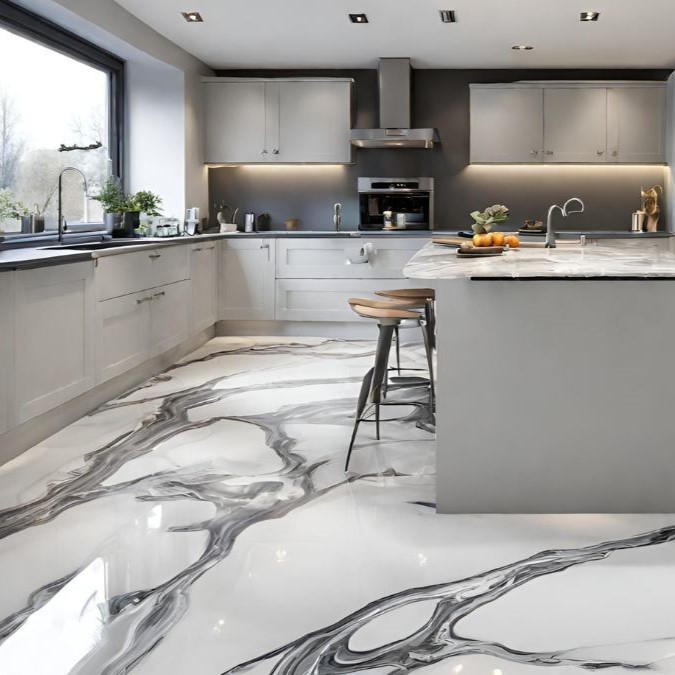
(567, 261)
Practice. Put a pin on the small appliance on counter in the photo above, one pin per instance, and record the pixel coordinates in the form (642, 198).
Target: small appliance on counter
(249, 222)
(396, 203)
(192, 221)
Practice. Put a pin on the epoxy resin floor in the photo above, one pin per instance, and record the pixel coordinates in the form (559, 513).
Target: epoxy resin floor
(202, 524)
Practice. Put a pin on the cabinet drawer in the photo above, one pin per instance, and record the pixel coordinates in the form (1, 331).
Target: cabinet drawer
(126, 273)
(329, 258)
(123, 334)
(325, 299)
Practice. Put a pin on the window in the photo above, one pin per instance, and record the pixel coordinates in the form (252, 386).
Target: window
(60, 106)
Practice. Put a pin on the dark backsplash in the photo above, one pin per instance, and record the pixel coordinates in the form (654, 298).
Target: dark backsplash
(440, 100)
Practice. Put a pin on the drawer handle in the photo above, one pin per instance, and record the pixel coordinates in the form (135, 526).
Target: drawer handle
(159, 295)
(210, 248)
(154, 256)
(140, 301)
(199, 248)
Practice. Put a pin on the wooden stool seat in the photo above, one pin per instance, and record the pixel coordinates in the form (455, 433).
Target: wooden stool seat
(384, 313)
(409, 293)
(387, 304)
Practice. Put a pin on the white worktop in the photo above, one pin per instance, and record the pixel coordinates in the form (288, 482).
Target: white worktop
(567, 261)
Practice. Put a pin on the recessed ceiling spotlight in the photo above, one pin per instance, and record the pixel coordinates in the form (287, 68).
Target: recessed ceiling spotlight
(590, 16)
(192, 17)
(448, 15)
(522, 48)
(358, 18)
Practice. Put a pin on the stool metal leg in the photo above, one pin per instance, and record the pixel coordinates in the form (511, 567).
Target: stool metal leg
(430, 365)
(366, 386)
(398, 350)
(371, 387)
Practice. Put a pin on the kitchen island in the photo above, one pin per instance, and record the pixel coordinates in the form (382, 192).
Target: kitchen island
(556, 382)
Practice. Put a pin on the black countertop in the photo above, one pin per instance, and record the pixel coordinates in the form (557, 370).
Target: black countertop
(29, 254)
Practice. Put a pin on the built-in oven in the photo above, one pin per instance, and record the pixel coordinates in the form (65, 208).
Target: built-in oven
(396, 203)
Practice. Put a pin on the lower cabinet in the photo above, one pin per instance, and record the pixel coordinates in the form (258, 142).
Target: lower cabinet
(246, 279)
(325, 299)
(123, 334)
(204, 287)
(54, 334)
(135, 327)
(6, 348)
(169, 316)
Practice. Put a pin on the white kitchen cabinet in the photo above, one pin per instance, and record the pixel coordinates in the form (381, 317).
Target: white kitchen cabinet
(277, 121)
(204, 288)
(54, 337)
(314, 122)
(636, 124)
(246, 279)
(325, 299)
(575, 125)
(568, 122)
(6, 349)
(234, 121)
(131, 272)
(169, 316)
(123, 337)
(507, 125)
(380, 257)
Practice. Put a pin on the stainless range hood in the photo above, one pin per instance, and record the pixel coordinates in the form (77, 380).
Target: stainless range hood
(395, 130)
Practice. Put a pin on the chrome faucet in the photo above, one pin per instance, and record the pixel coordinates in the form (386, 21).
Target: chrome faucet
(59, 187)
(550, 233)
(337, 216)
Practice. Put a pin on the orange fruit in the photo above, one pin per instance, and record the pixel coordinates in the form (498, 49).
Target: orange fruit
(481, 240)
(512, 241)
(498, 239)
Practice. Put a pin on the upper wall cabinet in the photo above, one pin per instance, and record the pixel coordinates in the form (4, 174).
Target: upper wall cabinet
(568, 122)
(496, 110)
(282, 121)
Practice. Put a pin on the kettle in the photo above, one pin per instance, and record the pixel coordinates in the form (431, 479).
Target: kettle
(249, 222)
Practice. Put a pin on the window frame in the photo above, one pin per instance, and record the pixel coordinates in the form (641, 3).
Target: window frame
(38, 29)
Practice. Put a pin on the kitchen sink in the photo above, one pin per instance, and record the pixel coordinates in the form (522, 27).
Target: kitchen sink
(96, 246)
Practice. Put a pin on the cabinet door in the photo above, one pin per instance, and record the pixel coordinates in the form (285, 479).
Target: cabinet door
(636, 119)
(575, 125)
(6, 348)
(203, 279)
(314, 122)
(123, 334)
(325, 299)
(235, 122)
(169, 316)
(54, 335)
(507, 125)
(246, 279)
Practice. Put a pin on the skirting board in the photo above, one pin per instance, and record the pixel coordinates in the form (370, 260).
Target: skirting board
(350, 330)
(32, 432)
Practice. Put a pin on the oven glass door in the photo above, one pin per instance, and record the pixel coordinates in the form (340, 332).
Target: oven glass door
(415, 206)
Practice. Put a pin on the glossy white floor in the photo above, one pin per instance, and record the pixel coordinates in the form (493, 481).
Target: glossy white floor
(203, 524)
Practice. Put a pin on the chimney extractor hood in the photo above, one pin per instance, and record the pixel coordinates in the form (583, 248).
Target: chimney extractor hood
(395, 130)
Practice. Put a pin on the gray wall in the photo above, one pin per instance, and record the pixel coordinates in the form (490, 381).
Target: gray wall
(441, 100)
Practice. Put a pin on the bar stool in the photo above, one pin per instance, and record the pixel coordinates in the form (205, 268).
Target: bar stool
(389, 315)
(426, 295)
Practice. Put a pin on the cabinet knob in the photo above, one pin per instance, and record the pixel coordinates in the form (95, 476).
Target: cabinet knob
(600, 153)
(154, 256)
(263, 152)
(275, 151)
(615, 153)
(534, 153)
(548, 152)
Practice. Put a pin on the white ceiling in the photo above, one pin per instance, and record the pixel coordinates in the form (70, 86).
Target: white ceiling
(317, 33)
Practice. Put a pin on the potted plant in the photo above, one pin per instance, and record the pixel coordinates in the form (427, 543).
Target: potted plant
(11, 209)
(113, 201)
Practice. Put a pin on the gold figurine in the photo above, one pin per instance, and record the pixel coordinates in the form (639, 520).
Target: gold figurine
(650, 205)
